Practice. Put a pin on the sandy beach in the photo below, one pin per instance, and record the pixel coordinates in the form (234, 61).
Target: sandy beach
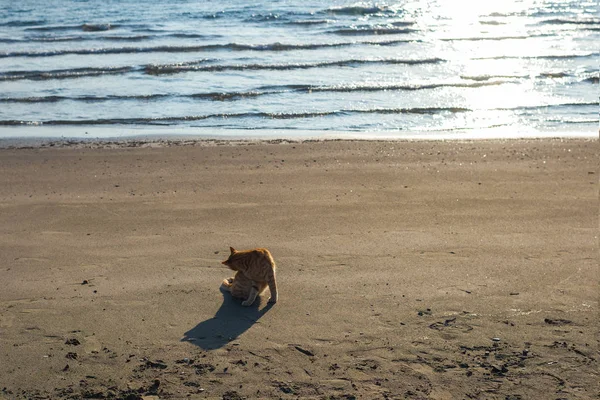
(417, 270)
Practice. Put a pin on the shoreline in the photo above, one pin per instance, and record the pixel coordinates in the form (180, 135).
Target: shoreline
(406, 269)
(53, 136)
(160, 141)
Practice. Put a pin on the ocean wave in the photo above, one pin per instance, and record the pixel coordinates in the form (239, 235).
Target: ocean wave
(570, 21)
(592, 79)
(481, 78)
(116, 38)
(492, 22)
(96, 38)
(310, 22)
(177, 68)
(229, 96)
(263, 17)
(409, 87)
(87, 99)
(262, 91)
(16, 122)
(202, 65)
(554, 75)
(284, 47)
(110, 50)
(83, 27)
(541, 57)
(53, 28)
(181, 35)
(34, 99)
(13, 40)
(213, 96)
(582, 104)
(574, 120)
(564, 56)
(97, 27)
(185, 49)
(20, 23)
(62, 74)
(360, 10)
(217, 15)
(501, 15)
(496, 38)
(372, 31)
(275, 47)
(261, 115)
(283, 115)
(548, 75)
(550, 106)
(416, 110)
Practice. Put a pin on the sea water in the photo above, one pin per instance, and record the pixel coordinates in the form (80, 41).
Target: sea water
(289, 68)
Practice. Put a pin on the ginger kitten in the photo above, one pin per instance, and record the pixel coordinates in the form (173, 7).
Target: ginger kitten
(255, 270)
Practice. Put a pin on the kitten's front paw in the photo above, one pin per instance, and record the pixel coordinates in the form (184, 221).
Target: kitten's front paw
(273, 300)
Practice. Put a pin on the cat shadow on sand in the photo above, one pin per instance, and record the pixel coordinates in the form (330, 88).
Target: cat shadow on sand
(230, 321)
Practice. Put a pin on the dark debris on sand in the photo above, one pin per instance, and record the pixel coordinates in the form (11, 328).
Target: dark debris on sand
(232, 395)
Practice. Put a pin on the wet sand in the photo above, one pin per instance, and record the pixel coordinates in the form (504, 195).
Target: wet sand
(420, 270)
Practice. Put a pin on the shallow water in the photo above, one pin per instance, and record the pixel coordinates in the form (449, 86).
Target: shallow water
(289, 68)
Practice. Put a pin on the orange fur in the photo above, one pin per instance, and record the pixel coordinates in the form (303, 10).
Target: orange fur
(243, 288)
(255, 270)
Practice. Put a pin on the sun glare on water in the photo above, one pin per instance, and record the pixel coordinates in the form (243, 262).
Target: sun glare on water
(489, 42)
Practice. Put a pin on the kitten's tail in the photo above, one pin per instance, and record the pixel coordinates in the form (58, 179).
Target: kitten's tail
(227, 284)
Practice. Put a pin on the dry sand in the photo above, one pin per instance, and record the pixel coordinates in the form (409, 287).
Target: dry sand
(420, 270)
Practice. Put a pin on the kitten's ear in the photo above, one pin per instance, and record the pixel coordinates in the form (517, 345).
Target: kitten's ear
(232, 250)
(224, 262)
